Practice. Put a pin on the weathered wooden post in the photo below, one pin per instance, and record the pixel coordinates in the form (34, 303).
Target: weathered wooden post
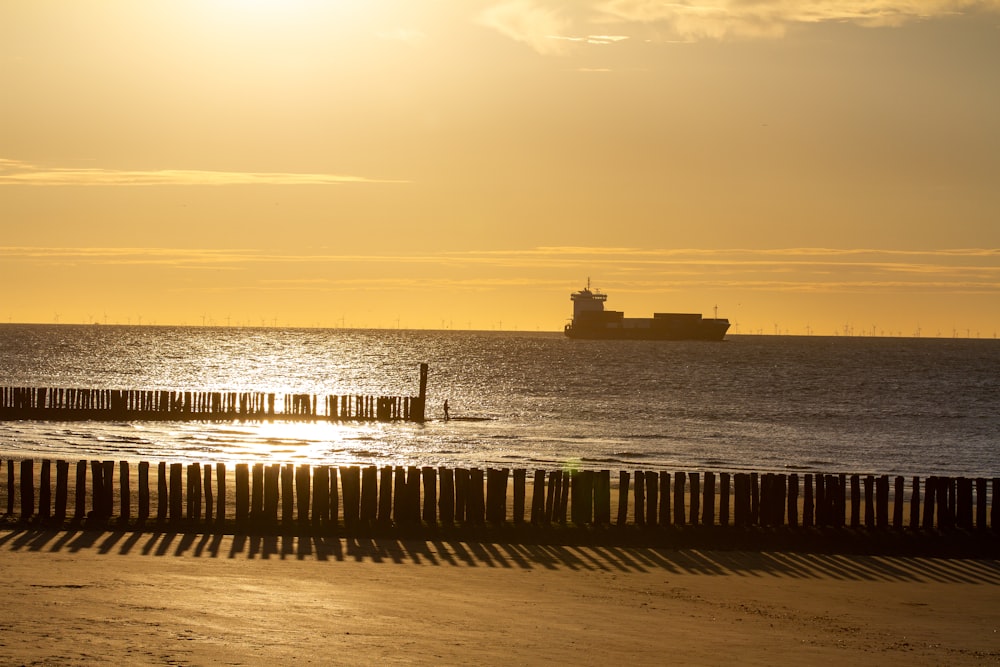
(679, 506)
(754, 499)
(143, 491)
(944, 511)
(428, 476)
(587, 496)
(476, 509)
(161, 491)
(321, 496)
(855, 501)
(176, 492)
(602, 498)
(257, 492)
(898, 502)
(538, 498)
(350, 477)
(413, 481)
(964, 503)
(446, 501)
(242, 493)
(639, 498)
(400, 511)
(96, 490)
(369, 495)
(793, 500)
(11, 486)
(666, 514)
(109, 488)
(552, 498)
(869, 501)
(822, 513)
(779, 506)
(724, 499)
(882, 501)
(563, 502)
(385, 497)
(623, 488)
(708, 513)
(45, 491)
(220, 501)
(915, 504)
(62, 490)
(652, 496)
(807, 502)
(303, 478)
(209, 504)
(272, 498)
(287, 494)
(124, 491)
(520, 480)
(981, 503)
(930, 491)
(695, 497)
(741, 505)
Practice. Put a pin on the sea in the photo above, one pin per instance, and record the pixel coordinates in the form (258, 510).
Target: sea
(538, 400)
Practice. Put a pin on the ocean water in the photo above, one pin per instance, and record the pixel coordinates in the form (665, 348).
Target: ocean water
(539, 400)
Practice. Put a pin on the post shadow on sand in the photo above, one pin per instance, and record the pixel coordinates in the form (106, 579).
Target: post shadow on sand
(443, 551)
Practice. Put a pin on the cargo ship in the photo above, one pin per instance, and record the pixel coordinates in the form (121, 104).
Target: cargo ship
(590, 320)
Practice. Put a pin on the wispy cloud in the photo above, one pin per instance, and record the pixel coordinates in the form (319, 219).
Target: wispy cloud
(14, 172)
(538, 23)
(627, 269)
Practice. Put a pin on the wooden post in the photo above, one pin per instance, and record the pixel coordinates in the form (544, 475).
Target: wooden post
(695, 497)
(855, 501)
(194, 484)
(208, 494)
(272, 496)
(62, 490)
(869, 501)
(96, 490)
(754, 499)
(963, 503)
(639, 498)
(652, 496)
(446, 500)
(995, 505)
(793, 500)
(176, 492)
(741, 506)
(708, 513)
(109, 489)
(563, 500)
(369, 495)
(898, 502)
(399, 510)
(10, 487)
(303, 479)
(321, 496)
(821, 502)
(428, 476)
(45, 491)
(882, 502)
(724, 499)
(242, 493)
(587, 496)
(944, 512)
(981, 503)
(602, 498)
(807, 502)
(161, 491)
(679, 506)
(143, 491)
(350, 477)
(552, 497)
(124, 491)
(257, 492)
(476, 509)
(666, 515)
(930, 490)
(538, 498)
(623, 484)
(413, 480)
(220, 500)
(520, 483)
(287, 494)
(915, 504)
(385, 497)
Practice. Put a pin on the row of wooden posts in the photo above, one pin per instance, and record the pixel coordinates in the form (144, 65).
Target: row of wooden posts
(370, 496)
(138, 405)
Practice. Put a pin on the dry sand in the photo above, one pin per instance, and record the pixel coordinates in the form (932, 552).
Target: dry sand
(161, 598)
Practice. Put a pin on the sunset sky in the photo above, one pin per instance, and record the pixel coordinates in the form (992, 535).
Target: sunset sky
(811, 166)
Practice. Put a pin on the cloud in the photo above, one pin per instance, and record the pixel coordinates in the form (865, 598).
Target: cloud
(13, 172)
(539, 23)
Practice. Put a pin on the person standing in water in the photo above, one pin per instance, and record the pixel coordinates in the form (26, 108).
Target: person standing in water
(446, 416)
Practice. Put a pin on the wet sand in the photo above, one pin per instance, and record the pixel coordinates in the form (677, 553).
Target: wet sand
(163, 598)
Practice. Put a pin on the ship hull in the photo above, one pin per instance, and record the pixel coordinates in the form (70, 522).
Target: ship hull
(708, 331)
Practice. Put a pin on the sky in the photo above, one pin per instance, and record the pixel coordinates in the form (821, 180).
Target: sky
(807, 167)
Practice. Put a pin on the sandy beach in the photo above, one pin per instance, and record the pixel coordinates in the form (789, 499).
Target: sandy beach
(84, 597)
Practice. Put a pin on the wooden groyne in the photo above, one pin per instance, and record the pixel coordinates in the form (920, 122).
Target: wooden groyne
(68, 404)
(248, 498)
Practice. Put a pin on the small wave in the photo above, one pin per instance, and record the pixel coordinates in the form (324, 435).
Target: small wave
(632, 455)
